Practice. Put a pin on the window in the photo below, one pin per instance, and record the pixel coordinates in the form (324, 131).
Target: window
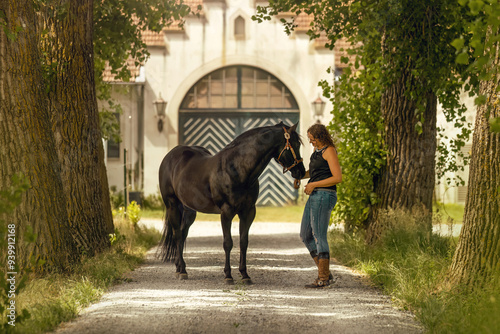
(239, 27)
(239, 87)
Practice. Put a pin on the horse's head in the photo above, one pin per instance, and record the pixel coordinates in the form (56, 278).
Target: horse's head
(289, 157)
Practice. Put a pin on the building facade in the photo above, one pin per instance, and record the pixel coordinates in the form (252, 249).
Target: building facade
(220, 76)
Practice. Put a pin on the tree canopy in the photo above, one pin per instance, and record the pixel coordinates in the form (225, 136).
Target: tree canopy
(387, 38)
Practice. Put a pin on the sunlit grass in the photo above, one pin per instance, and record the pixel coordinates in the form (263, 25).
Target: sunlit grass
(411, 266)
(452, 211)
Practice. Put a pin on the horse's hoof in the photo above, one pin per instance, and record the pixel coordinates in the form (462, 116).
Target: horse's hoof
(229, 281)
(247, 281)
(183, 276)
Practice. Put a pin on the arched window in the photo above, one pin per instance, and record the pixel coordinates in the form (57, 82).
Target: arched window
(239, 87)
(239, 27)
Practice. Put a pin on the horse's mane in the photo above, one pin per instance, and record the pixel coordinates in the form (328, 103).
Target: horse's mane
(252, 132)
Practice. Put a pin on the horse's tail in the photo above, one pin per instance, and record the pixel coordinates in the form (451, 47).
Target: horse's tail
(166, 249)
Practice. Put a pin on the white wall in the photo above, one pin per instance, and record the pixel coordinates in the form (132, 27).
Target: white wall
(209, 44)
(448, 193)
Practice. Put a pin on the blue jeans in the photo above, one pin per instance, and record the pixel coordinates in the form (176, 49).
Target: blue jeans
(316, 218)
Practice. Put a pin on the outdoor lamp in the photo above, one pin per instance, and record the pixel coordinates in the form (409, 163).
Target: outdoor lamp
(318, 108)
(160, 106)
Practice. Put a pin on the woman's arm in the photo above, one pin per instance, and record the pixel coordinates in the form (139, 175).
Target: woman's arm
(330, 155)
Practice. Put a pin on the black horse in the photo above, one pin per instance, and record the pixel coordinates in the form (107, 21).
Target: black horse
(191, 180)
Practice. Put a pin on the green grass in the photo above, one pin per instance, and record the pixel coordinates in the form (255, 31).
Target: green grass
(411, 266)
(56, 298)
(455, 212)
(287, 214)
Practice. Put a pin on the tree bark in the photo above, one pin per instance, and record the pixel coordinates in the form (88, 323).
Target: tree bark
(27, 144)
(407, 180)
(76, 126)
(476, 259)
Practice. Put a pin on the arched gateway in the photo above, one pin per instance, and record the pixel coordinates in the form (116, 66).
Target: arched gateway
(230, 101)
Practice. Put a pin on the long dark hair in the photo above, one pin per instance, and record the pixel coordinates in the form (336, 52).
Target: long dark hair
(320, 132)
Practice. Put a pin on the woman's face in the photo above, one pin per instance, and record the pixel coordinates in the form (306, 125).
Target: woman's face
(314, 142)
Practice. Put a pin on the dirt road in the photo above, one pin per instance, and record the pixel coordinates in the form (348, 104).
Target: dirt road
(154, 301)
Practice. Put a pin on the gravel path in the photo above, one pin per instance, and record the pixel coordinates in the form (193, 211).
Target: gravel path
(154, 301)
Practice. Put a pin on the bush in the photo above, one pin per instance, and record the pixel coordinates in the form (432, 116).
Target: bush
(153, 202)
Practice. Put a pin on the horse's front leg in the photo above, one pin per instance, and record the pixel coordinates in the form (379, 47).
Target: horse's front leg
(226, 221)
(246, 219)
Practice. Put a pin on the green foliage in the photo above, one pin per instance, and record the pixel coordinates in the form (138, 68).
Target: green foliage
(110, 125)
(495, 124)
(134, 213)
(387, 38)
(153, 202)
(116, 197)
(358, 124)
(411, 266)
(479, 52)
(477, 47)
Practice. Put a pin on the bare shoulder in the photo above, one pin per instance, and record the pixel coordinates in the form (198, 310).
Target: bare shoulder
(330, 151)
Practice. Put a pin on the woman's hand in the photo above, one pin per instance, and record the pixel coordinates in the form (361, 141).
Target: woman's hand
(309, 188)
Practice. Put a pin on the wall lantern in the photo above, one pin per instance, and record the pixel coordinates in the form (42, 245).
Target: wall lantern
(160, 106)
(318, 108)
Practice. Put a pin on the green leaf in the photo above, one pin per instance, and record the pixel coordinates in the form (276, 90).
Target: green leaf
(458, 43)
(480, 100)
(476, 6)
(495, 124)
(462, 58)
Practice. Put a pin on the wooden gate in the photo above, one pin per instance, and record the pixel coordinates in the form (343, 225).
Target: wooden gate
(215, 130)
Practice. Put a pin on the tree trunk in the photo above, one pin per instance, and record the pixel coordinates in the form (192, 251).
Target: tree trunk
(476, 259)
(27, 144)
(76, 126)
(407, 180)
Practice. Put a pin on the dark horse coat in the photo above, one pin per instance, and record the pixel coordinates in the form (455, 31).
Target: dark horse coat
(191, 180)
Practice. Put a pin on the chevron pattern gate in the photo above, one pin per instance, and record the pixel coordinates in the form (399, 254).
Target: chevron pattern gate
(215, 130)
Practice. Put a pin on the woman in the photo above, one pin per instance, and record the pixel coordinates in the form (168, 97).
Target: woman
(324, 173)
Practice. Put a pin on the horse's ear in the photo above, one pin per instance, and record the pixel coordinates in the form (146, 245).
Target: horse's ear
(293, 128)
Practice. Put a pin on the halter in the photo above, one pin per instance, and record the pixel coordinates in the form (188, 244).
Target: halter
(288, 147)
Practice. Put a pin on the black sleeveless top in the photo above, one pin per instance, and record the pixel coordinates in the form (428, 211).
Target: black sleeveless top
(319, 169)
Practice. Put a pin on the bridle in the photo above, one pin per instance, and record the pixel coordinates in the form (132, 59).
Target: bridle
(288, 147)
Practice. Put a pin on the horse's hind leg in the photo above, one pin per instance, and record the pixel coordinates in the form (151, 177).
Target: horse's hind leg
(174, 214)
(188, 216)
(246, 219)
(226, 221)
